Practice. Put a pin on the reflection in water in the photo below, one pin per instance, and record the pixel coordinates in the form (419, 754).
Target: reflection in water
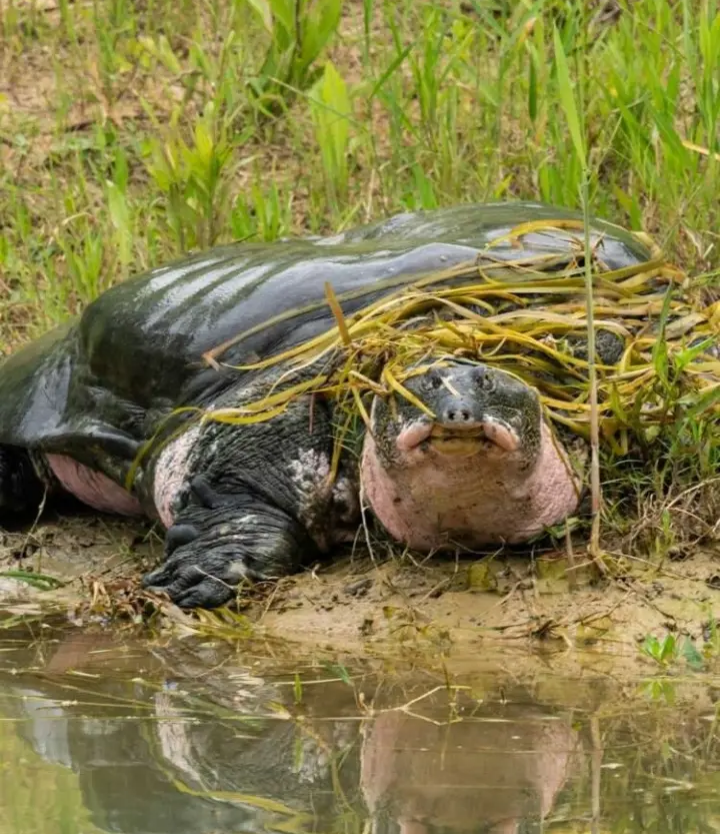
(487, 770)
(203, 737)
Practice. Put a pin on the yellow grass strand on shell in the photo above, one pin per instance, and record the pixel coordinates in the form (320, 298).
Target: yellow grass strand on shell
(520, 315)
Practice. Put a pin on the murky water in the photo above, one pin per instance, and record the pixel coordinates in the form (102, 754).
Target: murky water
(100, 733)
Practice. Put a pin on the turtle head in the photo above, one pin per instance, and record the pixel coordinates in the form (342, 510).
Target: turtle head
(476, 412)
(476, 465)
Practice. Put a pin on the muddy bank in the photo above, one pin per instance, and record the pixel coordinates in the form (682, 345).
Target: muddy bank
(362, 604)
(509, 599)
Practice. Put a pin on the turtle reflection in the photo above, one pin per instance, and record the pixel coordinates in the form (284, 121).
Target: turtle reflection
(198, 743)
(486, 771)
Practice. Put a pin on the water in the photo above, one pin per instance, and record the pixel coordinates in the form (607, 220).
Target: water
(102, 733)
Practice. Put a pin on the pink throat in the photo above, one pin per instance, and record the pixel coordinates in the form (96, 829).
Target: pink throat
(437, 502)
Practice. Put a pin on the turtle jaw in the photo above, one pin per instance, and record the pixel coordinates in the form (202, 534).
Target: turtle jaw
(488, 436)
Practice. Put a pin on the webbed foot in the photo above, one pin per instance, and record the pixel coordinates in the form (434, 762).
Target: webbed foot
(210, 552)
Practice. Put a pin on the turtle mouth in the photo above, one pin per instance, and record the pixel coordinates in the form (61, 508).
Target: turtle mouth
(468, 440)
(485, 435)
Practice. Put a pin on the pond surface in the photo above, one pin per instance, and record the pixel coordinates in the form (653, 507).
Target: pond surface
(101, 733)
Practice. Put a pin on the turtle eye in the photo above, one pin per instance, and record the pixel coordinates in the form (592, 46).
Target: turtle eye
(433, 380)
(484, 380)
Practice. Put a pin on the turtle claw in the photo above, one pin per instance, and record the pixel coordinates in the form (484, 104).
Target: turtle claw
(207, 583)
(178, 535)
(210, 552)
(191, 585)
(209, 593)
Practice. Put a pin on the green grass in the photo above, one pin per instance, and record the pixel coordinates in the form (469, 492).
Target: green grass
(131, 133)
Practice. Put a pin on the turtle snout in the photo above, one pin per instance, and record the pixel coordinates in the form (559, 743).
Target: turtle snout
(457, 414)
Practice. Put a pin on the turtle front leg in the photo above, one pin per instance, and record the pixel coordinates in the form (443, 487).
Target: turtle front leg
(211, 550)
(249, 502)
(20, 488)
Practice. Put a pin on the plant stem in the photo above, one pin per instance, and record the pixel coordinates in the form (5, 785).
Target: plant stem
(595, 488)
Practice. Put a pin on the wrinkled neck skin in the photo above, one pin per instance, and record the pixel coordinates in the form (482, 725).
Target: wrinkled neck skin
(440, 502)
(284, 462)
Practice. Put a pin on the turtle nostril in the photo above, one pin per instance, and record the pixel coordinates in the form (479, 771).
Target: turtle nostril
(458, 415)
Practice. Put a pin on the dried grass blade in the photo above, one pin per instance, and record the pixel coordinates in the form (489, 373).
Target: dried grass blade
(338, 313)
(403, 392)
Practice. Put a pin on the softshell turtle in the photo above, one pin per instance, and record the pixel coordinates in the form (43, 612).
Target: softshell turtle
(255, 501)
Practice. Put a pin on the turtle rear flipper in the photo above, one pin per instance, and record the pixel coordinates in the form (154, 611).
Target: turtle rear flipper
(21, 491)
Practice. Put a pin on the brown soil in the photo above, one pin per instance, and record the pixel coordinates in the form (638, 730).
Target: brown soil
(358, 605)
(510, 599)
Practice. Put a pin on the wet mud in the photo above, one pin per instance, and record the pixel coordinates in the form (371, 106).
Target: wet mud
(360, 603)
